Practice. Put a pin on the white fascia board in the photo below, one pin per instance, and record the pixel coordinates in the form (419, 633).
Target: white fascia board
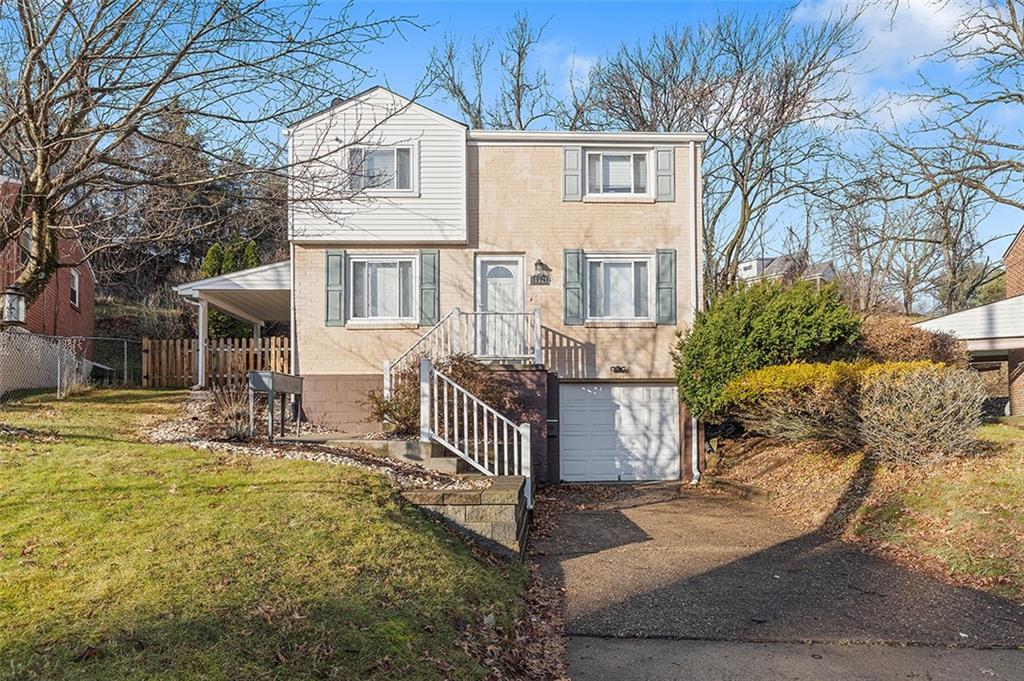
(580, 137)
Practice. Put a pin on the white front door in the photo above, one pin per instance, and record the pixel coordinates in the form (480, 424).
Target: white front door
(618, 432)
(501, 329)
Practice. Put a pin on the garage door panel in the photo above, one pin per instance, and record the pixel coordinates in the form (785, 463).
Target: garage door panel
(619, 432)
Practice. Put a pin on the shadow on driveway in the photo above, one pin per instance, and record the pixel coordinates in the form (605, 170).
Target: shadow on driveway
(666, 562)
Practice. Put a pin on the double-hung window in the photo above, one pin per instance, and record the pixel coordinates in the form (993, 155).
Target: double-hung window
(75, 282)
(618, 287)
(382, 168)
(382, 288)
(611, 172)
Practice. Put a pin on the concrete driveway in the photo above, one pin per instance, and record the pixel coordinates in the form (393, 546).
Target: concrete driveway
(663, 582)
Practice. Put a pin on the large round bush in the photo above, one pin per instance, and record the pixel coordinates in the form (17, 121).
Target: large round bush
(758, 326)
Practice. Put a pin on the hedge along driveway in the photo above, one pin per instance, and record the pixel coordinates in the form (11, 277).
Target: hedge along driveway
(125, 560)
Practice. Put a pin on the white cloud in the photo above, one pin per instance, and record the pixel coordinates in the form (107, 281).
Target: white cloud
(901, 39)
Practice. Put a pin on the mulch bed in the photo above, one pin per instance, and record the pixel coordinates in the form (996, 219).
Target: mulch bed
(199, 426)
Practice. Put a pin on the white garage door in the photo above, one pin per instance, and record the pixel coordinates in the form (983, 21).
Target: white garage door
(618, 432)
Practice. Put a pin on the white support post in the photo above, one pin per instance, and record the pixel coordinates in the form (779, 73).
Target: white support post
(524, 464)
(387, 379)
(425, 371)
(538, 357)
(204, 316)
(257, 330)
(457, 314)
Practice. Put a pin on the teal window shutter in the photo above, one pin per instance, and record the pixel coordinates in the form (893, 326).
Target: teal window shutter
(572, 174)
(666, 286)
(430, 302)
(334, 279)
(664, 174)
(573, 287)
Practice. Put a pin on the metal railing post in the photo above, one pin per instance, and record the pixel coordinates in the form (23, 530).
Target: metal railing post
(425, 371)
(387, 379)
(524, 463)
(124, 367)
(538, 357)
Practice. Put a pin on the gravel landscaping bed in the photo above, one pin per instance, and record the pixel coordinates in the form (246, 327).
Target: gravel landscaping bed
(198, 426)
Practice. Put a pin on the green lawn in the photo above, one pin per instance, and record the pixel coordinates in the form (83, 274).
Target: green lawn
(121, 560)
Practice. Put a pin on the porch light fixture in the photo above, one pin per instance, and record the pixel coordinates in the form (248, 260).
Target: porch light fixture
(12, 307)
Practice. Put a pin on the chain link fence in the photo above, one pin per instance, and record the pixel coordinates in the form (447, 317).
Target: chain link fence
(30, 361)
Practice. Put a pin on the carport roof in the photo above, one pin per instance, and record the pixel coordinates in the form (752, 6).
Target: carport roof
(260, 294)
(995, 326)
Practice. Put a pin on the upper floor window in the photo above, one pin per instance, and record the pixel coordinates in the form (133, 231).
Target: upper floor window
(382, 288)
(611, 172)
(25, 242)
(382, 168)
(75, 281)
(618, 287)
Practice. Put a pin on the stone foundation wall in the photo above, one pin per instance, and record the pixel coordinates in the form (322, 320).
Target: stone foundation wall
(495, 517)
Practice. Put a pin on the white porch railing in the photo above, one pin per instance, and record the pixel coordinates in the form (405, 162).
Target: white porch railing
(498, 336)
(471, 429)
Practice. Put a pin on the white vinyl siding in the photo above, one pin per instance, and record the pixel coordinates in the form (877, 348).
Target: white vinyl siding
(618, 287)
(433, 210)
(617, 172)
(382, 288)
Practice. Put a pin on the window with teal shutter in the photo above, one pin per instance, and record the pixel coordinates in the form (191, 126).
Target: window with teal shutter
(334, 279)
(430, 301)
(666, 286)
(573, 287)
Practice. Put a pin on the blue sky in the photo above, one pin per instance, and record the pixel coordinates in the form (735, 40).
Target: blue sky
(578, 32)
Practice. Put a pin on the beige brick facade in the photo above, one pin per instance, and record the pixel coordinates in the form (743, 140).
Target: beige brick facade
(515, 207)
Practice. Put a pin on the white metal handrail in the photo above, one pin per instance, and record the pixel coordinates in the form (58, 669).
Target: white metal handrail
(508, 336)
(471, 429)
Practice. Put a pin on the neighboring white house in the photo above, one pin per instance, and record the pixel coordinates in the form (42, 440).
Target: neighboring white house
(789, 266)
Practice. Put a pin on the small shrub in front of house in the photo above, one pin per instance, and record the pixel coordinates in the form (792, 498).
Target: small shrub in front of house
(799, 401)
(919, 413)
(893, 339)
(231, 409)
(401, 411)
(757, 326)
(908, 412)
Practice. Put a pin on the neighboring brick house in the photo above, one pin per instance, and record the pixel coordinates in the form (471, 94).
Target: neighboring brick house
(66, 306)
(1013, 260)
(995, 332)
(569, 260)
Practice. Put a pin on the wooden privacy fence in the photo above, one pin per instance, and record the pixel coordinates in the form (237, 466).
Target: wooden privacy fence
(174, 363)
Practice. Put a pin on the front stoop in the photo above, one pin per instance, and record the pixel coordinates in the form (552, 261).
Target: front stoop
(495, 517)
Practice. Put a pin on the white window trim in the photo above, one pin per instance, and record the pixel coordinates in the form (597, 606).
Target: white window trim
(619, 257)
(76, 297)
(381, 258)
(414, 173)
(617, 152)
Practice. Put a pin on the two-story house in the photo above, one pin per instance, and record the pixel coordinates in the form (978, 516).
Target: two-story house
(571, 260)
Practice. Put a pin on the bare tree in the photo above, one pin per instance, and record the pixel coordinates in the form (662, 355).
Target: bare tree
(772, 98)
(987, 45)
(918, 171)
(84, 86)
(524, 97)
